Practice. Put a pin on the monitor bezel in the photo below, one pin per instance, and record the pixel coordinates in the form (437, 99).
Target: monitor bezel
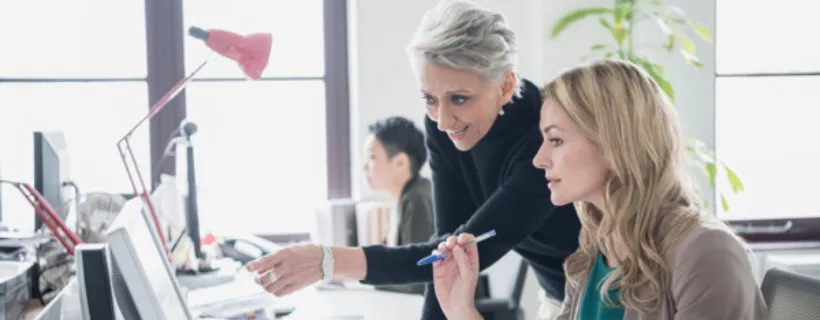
(124, 255)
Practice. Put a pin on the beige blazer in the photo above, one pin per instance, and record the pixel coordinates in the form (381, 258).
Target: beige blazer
(712, 279)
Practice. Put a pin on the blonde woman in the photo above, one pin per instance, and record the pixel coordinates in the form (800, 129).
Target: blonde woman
(648, 250)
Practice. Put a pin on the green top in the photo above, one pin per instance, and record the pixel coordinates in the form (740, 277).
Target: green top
(592, 306)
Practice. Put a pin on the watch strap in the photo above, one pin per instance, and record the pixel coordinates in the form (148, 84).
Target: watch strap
(328, 264)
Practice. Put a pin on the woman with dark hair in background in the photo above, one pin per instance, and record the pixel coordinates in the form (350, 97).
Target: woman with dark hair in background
(482, 133)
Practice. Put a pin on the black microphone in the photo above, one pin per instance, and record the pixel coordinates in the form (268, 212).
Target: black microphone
(187, 129)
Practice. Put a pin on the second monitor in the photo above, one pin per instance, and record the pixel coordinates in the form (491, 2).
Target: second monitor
(140, 263)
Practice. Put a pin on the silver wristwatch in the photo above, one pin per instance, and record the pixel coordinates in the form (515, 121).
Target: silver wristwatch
(328, 264)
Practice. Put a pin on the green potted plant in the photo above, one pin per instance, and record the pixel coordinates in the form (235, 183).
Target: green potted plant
(620, 22)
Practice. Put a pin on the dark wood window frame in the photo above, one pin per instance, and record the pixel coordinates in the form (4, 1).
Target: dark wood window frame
(774, 233)
(165, 45)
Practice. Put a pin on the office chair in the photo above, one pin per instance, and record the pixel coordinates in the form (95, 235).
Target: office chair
(505, 282)
(791, 296)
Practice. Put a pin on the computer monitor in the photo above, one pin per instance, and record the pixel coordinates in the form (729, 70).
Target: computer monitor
(96, 293)
(50, 169)
(139, 261)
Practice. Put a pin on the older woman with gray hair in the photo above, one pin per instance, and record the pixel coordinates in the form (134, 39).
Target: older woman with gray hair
(482, 134)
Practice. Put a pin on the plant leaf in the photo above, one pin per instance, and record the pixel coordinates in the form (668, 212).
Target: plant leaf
(665, 85)
(659, 68)
(619, 33)
(686, 42)
(599, 46)
(691, 59)
(670, 42)
(670, 37)
(724, 203)
(609, 55)
(619, 14)
(605, 23)
(703, 32)
(575, 16)
(711, 172)
(734, 180)
(675, 9)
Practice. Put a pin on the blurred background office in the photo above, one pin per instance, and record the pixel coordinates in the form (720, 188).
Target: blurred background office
(281, 158)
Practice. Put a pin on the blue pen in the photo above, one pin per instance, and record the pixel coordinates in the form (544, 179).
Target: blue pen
(436, 257)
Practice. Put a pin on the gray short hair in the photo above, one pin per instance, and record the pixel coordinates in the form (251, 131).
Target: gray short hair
(462, 35)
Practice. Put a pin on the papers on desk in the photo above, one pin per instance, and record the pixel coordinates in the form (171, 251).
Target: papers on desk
(235, 299)
(243, 286)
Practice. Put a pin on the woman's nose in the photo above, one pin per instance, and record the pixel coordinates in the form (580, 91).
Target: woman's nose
(541, 159)
(446, 120)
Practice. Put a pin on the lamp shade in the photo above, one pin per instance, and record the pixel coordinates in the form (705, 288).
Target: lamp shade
(251, 52)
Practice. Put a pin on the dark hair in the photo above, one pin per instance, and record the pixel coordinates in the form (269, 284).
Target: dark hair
(398, 134)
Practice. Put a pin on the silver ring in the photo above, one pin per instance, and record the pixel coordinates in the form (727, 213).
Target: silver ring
(272, 276)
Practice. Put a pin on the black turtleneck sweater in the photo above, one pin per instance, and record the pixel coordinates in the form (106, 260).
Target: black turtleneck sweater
(494, 185)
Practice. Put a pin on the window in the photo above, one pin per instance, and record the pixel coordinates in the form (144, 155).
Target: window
(260, 149)
(260, 154)
(81, 39)
(766, 109)
(78, 67)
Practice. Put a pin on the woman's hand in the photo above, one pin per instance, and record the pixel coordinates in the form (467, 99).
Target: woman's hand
(289, 269)
(456, 276)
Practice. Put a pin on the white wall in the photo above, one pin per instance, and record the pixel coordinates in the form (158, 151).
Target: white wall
(382, 82)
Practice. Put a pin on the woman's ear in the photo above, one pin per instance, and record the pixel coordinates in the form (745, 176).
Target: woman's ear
(507, 88)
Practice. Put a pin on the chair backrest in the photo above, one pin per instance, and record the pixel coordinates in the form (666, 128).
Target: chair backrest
(790, 295)
(506, 277)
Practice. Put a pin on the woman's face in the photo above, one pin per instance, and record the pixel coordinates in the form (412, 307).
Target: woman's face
(574, 166)
(463, 103)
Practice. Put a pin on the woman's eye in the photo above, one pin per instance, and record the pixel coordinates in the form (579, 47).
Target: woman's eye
(429, 100)
(458, 99)
(556, 141)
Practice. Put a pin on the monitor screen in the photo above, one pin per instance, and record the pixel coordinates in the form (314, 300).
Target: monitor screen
(48, 176)
(140, 259)
(96, 295)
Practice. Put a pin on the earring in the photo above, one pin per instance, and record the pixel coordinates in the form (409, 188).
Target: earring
(501, 112)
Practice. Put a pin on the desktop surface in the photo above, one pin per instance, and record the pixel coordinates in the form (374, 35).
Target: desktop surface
(363, 303)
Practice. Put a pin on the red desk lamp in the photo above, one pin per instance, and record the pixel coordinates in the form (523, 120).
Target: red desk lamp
(250, 52)
(67, 238)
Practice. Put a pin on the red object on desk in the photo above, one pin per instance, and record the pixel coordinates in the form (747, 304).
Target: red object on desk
(50, 218)
(251, 52)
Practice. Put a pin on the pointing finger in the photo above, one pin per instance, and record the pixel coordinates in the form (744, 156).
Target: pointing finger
(266, 262)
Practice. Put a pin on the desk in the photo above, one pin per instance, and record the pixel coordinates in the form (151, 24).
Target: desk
(353, 304)
(359, 303)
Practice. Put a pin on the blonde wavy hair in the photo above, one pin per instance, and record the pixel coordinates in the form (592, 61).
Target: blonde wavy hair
(649, 200)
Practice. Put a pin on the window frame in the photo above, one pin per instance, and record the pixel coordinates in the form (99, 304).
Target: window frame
(166, 56)
(786, 233)
(79, 79)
